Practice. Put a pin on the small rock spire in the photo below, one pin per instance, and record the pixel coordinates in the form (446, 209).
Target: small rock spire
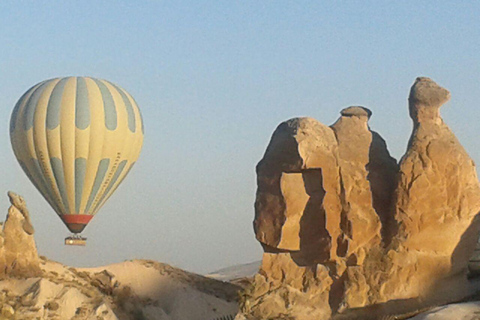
(357, 111)
(426, 98)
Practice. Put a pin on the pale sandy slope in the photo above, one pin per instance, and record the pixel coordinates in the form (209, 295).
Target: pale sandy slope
(459, 311)
(146, 290)
(172, 292)
(138, 289)
(236, 272)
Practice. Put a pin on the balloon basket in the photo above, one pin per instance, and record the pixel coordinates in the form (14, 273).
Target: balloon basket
(75, 240)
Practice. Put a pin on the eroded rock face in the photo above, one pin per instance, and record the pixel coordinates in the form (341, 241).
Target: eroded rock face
(438, 198)
(298, 187)
(18, 254)
(317, 214)
(344, 227)
(360, 223)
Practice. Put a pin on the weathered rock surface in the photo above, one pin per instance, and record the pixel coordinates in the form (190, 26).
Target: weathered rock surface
(346, 230)
(314, 212)
(298, 187)
(360, 223)
(437, 200)
(18, 252)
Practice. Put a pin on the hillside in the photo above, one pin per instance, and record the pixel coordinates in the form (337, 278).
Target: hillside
(138, 289)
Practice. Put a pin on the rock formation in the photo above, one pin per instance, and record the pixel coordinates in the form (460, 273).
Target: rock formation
(360, 222)
(344, 227)
(437, 200)
(18, 252)
(297, 187)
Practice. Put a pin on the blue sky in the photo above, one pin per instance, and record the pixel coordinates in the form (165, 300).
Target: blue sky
(213, 80)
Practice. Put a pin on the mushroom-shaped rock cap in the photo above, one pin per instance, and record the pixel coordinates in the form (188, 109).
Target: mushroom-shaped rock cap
(356, 111)
(427, 93)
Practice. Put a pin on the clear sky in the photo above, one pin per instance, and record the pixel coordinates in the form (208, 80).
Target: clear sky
(213, 79)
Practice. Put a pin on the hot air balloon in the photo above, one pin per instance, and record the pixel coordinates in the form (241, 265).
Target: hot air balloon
(76, 138)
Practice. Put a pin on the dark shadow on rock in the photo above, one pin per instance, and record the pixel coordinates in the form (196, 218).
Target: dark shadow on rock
(315, 241)
(337, 289)
(281, 156)
(270, 249)
(465, 247)
(382, 175)
(345, 224)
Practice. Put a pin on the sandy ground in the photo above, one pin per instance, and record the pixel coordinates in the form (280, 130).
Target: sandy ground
(137, 289)
(173, 292)
(147, 290)
(459, 311)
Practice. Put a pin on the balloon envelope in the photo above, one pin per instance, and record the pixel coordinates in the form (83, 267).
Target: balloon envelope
(76, 138)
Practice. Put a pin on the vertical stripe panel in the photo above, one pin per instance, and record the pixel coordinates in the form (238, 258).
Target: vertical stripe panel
(119, 170)
(118, 183)
(80, 170)
(40, 141)
(53, 138)
(137, 110)
(57, 167)
(39, 183)
(102, 170)
(31, 106)
(128, 106)
(36, 172)
(67, 140)
(55, 104)
(96, 138)
(108, 105)
(138, 141)
(115, 144)
(15, 122)
(20, 147)
(82, 107)
(82, 139)
(16, 109)
(18, 134)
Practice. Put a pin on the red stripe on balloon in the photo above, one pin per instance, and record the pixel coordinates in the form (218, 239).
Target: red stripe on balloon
(76, 218)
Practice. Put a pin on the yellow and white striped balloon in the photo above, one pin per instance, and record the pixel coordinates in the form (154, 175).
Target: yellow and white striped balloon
(76, 138)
